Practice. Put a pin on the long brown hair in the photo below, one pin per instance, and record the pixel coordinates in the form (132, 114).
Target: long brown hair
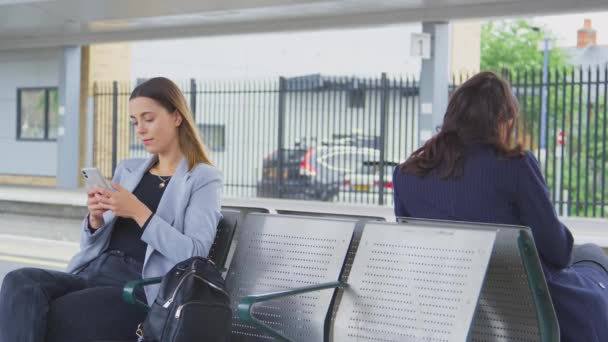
(480, 111)
(168, 95)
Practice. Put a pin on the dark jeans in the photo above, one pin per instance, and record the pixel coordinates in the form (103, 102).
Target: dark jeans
(38, 305)
(591, 255)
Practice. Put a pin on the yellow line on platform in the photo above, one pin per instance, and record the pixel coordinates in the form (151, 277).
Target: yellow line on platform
(31, 261)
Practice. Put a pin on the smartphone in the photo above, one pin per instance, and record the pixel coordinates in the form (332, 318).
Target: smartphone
(92, 176)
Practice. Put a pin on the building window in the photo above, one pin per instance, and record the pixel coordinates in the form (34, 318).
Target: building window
(214, 136)
(37, 110)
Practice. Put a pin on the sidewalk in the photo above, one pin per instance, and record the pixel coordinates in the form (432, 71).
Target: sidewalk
(43, 201)
(43, 195)
(71, 204)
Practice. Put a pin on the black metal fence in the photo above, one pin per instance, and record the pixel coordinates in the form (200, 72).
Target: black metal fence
(340, 137)
(569, 139)
(336, 133)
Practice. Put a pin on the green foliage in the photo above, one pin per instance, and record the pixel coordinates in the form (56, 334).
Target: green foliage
(585, 152)
(515, 45)
(512, 48)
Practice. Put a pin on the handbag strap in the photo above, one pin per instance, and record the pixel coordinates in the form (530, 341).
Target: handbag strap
(140, 333)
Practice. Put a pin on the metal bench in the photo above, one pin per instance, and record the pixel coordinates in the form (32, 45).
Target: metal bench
(404, 283)
(413, 283)
(226, 229)
(514, 304)
(415, 280)
(281, 253)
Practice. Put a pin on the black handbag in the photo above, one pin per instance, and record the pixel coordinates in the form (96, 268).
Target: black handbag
(192, 305)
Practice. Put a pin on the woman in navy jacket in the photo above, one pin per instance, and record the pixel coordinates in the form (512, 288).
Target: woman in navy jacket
(472, 171)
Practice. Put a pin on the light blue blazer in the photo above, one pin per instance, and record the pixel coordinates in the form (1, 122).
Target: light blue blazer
(183, 226)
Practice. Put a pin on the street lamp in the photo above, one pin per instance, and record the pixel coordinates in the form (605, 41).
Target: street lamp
(544, 45)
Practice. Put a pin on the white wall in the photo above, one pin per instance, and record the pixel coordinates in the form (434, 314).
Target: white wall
(366, 51)
(25, 68)
(465, 48)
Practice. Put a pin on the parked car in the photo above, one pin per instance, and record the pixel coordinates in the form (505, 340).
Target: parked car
(367, 177)
(314, 173)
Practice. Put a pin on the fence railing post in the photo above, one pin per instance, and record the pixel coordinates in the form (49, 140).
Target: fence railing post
(193, 91)
(383, 116)
(114, 126)
(281, 134)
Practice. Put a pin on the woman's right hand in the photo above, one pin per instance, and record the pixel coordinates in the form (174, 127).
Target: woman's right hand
(95, 209)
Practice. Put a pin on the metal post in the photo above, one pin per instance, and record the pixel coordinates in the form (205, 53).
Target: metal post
(193, 91)
(558, 170)
(383, 117)
(543, 108)
(281, 134)
(114, 126)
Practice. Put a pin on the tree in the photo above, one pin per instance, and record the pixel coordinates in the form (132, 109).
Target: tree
(514, 45)
(512, 48)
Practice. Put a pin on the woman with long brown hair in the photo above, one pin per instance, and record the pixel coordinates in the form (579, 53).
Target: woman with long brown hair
(472, 170)
(163, 210)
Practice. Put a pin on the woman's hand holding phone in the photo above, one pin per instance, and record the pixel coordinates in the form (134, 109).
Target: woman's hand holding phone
(96, 210)
(124, 204)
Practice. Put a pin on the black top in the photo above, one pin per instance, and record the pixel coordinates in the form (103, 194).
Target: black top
(126, 236)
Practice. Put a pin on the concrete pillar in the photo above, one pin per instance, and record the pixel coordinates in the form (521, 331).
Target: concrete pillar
(434, 80)
(68, 139)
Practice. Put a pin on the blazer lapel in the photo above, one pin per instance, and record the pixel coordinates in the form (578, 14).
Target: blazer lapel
(129, 179)
(172, 197)
(132, 177)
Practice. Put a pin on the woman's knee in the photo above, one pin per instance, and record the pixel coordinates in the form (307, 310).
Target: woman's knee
(20, 277)
(590, 246)
(588, 250)
(590, 253)
(92, 314)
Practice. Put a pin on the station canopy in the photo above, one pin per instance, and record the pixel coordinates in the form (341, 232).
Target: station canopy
(39, 23)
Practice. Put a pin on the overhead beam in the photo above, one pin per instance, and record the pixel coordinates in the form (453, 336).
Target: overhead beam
(290, 21)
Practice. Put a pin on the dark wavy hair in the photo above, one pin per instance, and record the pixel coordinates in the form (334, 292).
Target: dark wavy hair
(481, 111)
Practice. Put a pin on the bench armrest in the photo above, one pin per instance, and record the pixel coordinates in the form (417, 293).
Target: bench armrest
(247, 302)
(128, 292)
(548, 325)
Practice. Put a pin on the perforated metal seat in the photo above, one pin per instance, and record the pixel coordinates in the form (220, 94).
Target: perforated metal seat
(413, 283)
(437, 281)
(280, 253)
(218, 252)
(514, 304)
